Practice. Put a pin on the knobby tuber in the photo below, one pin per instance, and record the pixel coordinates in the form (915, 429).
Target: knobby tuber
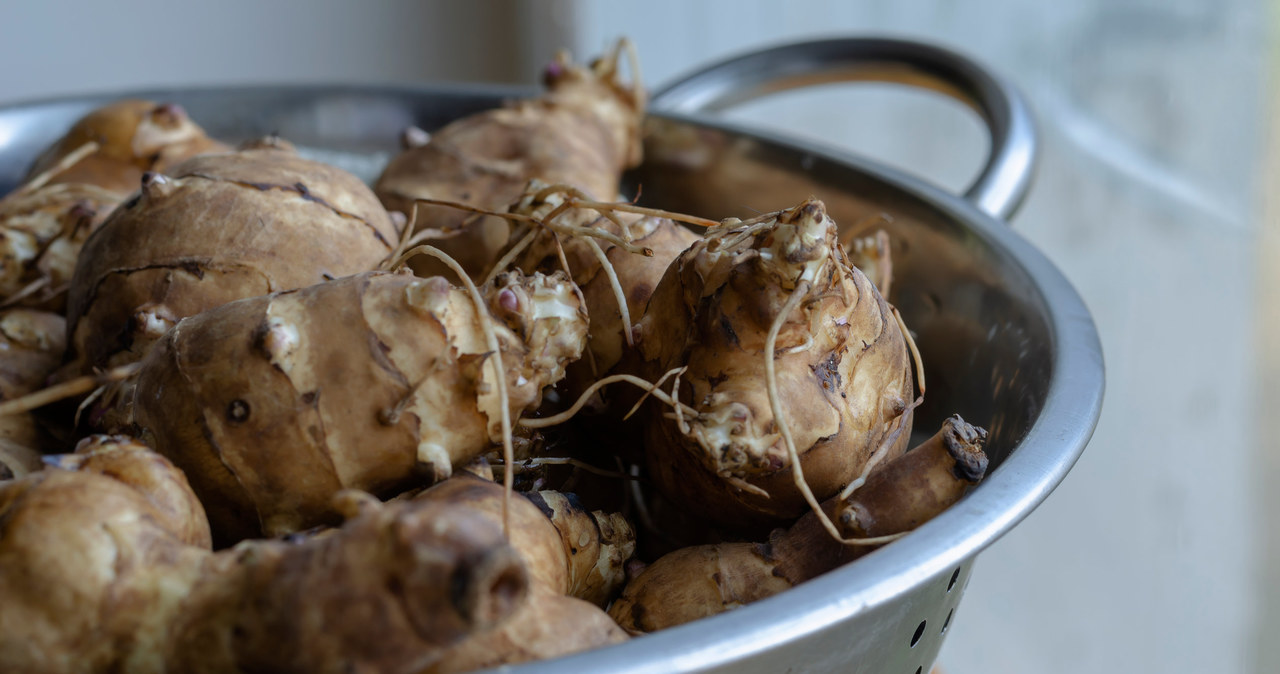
(584, 131)
(375, 381)
(218, 228)
(132, 137)
(104, 566)
(31, 347)
(843, 372)
(617, 277)
(575, 561)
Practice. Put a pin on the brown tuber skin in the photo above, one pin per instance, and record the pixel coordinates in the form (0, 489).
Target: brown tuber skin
(638, 274)
(41, 233)
(94, 558)
(705, 580)
(844, 377)
(31, 347)
(219, 228)
(585, 131)
(576, 563)
(376, 382)
(567, 550)
(97, 576)
(134, 137)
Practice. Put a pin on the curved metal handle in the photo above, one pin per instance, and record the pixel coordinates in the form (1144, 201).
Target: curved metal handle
(1004, 180)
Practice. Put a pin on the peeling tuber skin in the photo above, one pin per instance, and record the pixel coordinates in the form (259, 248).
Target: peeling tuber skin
(375, 381)
(844, 376)
(585, 131)
(97, 576)
(134, 137)
(704, 580)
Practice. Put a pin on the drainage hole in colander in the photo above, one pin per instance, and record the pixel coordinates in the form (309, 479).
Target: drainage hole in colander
(947, 622)
(954, 577)
(915, 638)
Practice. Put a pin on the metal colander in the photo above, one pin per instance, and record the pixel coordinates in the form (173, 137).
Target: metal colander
(1007, 342)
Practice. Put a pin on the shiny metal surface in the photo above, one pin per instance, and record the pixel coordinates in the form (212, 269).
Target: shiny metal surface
(1006, 340)
(1004, 179)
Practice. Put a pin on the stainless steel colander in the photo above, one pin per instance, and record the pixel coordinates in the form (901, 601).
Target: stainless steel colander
(1007, 342)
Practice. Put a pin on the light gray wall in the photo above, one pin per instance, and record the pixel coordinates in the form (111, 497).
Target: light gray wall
(67, 47)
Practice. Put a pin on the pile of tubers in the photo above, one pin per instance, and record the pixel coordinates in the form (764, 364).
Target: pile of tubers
(260, 416)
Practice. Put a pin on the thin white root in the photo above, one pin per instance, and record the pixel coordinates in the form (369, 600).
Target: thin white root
(616, 285)
(495, 352)
(601, 206)
(510, 256)
(67, 389)
(911, 344)
(568, 414)
(674, 396)
(797, 472)
(71, 159)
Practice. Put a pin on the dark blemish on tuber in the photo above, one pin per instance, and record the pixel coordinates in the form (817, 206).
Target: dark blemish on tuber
(309, 398)
(828, 372)
(727, 328)
(6, 473)
(536, 499)
(238, 411)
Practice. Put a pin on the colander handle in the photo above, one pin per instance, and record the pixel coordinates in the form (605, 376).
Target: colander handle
(1005, 178)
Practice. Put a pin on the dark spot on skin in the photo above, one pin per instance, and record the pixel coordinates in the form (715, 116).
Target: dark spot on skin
(717, 379)
(637, 614)
(238, 411)
(327, 276)
(828, 372)
(640, 293)
(464, 196)
(536, 499)
(6, 473)
(727, 328)
(309, 398)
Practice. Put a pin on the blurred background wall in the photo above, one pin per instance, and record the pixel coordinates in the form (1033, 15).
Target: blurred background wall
(1158, 553)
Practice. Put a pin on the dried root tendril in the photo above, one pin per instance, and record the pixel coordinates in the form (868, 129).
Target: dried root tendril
(67, 389)
(491, 342)
(784, 429)
(71, 159)
(652, 389)
(601, 206)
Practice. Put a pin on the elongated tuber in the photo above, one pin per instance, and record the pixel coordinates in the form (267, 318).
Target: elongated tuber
(704, 580)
